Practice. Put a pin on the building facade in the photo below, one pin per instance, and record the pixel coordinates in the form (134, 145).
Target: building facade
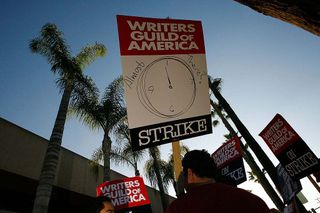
(21, 156)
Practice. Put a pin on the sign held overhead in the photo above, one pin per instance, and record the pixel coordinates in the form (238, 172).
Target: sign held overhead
(229, 162)
(125, 193)
(165, 77)
(292, 152)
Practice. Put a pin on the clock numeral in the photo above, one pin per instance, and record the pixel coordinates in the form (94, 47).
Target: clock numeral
(171, 108)
(151, 89)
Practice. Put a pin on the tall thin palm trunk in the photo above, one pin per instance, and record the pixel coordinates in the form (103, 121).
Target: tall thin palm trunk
(260, 154)
(262, 157)
(106, 148)
(251, 162)
(73, 83)
(136, 170)
(51, 160)
(163, 197)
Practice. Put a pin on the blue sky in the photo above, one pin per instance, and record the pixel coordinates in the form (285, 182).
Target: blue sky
(267, 66)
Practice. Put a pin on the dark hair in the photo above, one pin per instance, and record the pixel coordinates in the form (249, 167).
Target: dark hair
(200, 162)
(101, 200)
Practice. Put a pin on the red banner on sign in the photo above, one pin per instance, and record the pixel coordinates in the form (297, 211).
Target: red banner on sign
(227, 153)
(278, 134)
(152, 36)
(125, 193)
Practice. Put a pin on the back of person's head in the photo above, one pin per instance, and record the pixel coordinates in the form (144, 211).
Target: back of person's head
(200, 162)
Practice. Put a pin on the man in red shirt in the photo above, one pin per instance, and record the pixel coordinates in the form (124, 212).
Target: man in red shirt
(205, 193)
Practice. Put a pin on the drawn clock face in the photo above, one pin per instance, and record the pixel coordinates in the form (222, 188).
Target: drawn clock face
(167, 87)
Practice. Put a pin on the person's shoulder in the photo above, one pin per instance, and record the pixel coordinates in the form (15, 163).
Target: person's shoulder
(174, 205)
(246, 197)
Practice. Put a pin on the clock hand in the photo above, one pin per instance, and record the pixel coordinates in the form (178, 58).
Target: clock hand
(170, 86)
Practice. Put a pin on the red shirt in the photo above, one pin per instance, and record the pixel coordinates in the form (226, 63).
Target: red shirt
(218, 198)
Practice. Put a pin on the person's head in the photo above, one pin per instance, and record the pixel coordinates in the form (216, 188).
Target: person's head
(105, 205)
(198, 166)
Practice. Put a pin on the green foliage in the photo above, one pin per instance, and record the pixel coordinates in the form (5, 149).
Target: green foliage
(104, 113)
(253, 177)
(73, 84)
(150, 169)
(89, 53)
(166, 168)
(52, 45)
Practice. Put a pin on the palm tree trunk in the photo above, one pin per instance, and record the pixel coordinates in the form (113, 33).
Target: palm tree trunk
(251, 162)
(51, 159)
(159, 179)
(136, 170)
(304, 14)
(260, 154)
(106, 148)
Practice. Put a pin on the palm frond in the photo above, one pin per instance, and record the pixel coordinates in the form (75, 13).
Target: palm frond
(52, 45)
(96, 160)
(89, 53)
(97, 155)
(121, 131)
(115, 92)
(215, 83)
(150, 173)
(116, 155)
(112, 103)
(84, 102)
(137, 156)
(253, 177)
(156, 151)
(168, 173)
(215, 123)
(213, 113)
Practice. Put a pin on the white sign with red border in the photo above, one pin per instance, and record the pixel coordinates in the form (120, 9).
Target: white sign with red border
(165, 77)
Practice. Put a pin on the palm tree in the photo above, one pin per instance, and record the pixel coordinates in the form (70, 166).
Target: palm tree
(253, 144)
(52, 45)
(261, 155)
(215, 86)
(169, 169)
(160, 172)
(154, 171)
(124, 153)
(253, 177)
(214, 113)
(104, 114)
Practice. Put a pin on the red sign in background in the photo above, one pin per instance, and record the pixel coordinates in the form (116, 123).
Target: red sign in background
(290, 149)
(228, 159)
(125, 193)
(227, 153)
(152, 36)
(278, 134)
